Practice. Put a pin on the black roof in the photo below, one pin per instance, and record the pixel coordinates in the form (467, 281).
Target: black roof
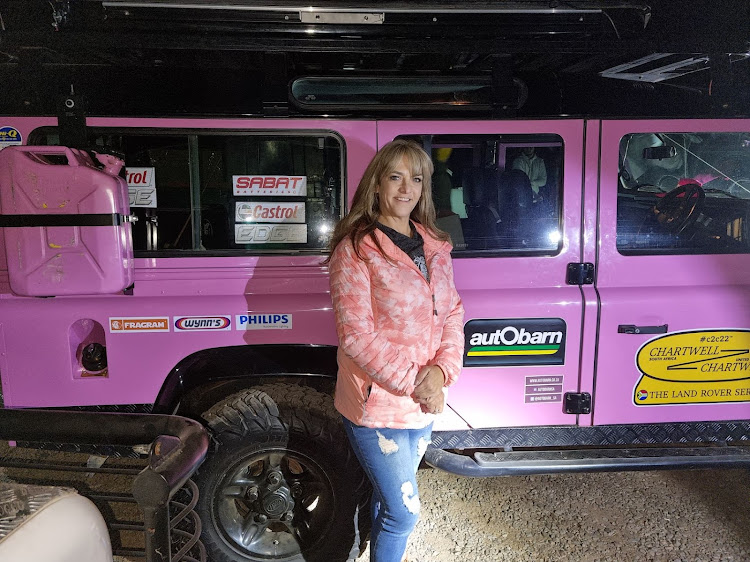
(529, 58)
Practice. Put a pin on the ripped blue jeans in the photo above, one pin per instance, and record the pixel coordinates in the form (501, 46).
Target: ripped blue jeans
(390, 458)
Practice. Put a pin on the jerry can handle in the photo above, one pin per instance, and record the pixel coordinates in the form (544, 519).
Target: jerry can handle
(73, 158)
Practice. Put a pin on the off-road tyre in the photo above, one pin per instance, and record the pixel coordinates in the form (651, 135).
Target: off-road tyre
(281, 483)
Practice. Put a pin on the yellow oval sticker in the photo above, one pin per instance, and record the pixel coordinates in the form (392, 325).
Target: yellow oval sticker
(706, 366)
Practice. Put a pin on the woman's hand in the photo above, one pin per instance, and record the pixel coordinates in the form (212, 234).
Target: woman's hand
(429, 389)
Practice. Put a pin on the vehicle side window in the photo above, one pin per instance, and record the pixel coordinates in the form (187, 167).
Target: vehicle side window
(250, 192)
(498, 194)
(684, 193)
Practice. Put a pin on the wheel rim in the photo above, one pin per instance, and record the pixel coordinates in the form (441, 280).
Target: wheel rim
(274, 504)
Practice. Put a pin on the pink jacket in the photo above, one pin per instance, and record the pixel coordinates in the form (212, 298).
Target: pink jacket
(389, 327)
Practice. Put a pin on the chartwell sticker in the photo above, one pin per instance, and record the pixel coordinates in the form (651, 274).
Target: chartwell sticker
(696, 367)
(139, 324)
(514, 342)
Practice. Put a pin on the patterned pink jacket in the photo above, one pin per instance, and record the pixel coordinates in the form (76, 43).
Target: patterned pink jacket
(390, 324)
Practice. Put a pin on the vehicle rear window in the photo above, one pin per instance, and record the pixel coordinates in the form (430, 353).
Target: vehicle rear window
(684, 193)
(246, 192)
(498, 194)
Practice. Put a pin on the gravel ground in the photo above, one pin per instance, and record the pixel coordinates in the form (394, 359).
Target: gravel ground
(663, 516)
(672, 516)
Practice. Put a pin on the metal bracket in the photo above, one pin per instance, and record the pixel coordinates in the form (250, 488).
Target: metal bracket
(342, 18)
(580, 274)
(577, 403)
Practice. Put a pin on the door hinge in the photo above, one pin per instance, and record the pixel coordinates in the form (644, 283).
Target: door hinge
(580, 274)
(577, 403)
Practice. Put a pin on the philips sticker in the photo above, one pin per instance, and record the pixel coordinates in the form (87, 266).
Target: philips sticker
(9, 136)
(141, 187)
(270, 233)
(514, 342)
(276, 186)
(202, 323)
(256, 211)
(264, 321)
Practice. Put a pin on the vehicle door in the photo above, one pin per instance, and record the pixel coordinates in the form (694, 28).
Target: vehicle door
(509, 195)
(234, 222)
(673, 271)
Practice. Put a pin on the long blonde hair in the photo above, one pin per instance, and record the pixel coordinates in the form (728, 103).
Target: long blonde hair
(363, 216)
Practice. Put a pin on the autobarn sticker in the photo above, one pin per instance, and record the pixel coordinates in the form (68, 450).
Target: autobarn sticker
(259, 211)
(543, 389)
(10, 136)
(265, 321)
(514, 342)
(133, 325)
(201, 323)
(141, 186)
(695, 367)
(270, 233)
(276, 186)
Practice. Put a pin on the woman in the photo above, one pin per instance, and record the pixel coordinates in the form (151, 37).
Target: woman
(400, 327)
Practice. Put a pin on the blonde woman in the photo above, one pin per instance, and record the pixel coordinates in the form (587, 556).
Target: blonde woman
(399, 321)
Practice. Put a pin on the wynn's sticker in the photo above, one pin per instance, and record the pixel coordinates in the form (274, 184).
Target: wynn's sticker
(141, 186)
(258, 211)
(139, 324)
(287, 186)
(697, 367)
(514, 342)
(270, 233)
(10, 136)
(202, 323)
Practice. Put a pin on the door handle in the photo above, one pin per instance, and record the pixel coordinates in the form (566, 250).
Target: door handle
(633, 329)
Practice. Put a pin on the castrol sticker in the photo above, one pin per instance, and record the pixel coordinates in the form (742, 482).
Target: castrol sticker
(695, 367)
(141, 186)
(259, 211)
(9, 136)
(270, 233)
(265, 321)
(202, 323)
(276, 186)
(139, 324)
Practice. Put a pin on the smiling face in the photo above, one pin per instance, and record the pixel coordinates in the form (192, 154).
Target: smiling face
(399, 192)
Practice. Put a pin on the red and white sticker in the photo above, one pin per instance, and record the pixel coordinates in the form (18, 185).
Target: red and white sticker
(257, 211)
(138, 324)
(202, 323)
(141, 186)
(276, 186)
(270, 233)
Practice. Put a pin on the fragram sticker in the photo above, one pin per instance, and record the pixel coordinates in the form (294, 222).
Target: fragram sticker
(139, 324)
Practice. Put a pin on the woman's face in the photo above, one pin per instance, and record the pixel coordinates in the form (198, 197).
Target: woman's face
(399, 192)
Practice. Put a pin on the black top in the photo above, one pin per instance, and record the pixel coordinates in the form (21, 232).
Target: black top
(412, 246)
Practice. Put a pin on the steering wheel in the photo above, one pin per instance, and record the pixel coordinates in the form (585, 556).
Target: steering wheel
(679, 208)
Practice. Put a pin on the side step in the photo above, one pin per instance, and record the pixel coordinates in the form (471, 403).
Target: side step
(518, 463)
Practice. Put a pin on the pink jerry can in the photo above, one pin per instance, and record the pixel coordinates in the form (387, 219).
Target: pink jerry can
(66, 221)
